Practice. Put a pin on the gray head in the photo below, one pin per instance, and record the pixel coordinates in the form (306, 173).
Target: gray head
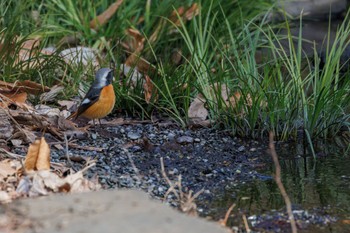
(104, 77)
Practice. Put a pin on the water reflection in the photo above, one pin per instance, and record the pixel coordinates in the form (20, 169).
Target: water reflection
(321, 187)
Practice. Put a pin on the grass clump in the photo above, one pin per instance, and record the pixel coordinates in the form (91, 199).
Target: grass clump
(252, 79)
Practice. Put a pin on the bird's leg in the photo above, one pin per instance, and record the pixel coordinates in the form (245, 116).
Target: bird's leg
(99, 121)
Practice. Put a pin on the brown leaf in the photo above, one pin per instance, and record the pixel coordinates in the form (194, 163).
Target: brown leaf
(197, 111)
(106, 15)
(24, 86)
(235, 98)
(192, 11)
(6, 169)
(148, 88)
(38, 156)
(185, 15)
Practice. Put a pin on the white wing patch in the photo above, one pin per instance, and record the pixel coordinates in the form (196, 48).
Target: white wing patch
(86, 101)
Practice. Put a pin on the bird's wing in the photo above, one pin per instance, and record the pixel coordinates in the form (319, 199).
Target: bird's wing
(90, 98)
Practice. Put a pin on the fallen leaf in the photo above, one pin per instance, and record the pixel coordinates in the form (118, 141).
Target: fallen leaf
(46, 110)
(27, 86)
(235, 98)
(38, 156)
(184, 14)
(6, 169)
(68, 104)
(52, 94)
(149, 89)
(197, 111)
(106, 15)
(137, 38)
(17, 98)
(192, 11)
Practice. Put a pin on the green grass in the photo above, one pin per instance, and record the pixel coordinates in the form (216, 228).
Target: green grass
(285, 92)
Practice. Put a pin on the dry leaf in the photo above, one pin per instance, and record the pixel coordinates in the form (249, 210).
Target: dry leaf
(46, 110)
(6, 169)
(235, 98)
(106, 15)
(185, 15)
(17, 98)
(68, 104)
(197, 111)
(38, 156)
(27, 86)
(148, 88)
(138, 40)
(192, 11)
(52, 94)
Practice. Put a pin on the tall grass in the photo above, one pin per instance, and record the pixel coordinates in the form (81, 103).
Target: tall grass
(283, 91)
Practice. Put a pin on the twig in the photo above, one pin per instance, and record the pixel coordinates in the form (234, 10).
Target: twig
(89, 148)
(247, 229)
(67, 149)
(171, 185)
(88, 166)
(11, 155)
(280, 184)
(136, 170)
(223, 222)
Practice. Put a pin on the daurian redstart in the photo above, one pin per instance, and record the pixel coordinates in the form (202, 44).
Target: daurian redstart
(100, 99)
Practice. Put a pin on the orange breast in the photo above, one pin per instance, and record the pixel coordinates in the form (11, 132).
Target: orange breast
(103, 106)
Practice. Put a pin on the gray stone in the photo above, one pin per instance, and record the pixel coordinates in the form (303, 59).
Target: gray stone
(134, 135)
(127, 211)
(312, 9)
(184, 140)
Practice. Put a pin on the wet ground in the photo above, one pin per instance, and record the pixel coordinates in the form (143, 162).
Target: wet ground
(228, 169)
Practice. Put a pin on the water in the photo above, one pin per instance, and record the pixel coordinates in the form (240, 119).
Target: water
(319, 190)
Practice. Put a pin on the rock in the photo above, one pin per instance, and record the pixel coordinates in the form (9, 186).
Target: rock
(127, 211)
(311, 9)
(241, 148)
(184, 140)
(6, 128)
(134, 135)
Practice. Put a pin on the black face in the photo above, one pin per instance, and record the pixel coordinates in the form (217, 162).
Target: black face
(110, 77)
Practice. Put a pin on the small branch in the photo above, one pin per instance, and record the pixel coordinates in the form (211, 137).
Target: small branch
(67, 150)
(247, 229)
(171, 185)
(136, 170)
(280, 184)
(223, 222)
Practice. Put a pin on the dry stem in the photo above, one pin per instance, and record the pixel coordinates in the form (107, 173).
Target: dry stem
(280, 184)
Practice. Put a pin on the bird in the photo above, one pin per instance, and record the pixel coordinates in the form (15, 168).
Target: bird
(100, 98)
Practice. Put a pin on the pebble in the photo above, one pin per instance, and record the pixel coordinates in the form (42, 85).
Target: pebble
(134, 135)
(241, 148)
(171, 136)
(184, 140)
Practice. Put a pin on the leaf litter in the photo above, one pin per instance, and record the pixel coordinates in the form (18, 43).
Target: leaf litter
(33, 177)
